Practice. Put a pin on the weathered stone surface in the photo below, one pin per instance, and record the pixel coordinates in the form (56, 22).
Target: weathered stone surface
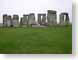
(52, 17)
(51, 11)
(39, 19)
(15, 20)
(42, 19)
(5, 20)
(9, 21)
(64, 18)
(22, 24)
(31, 19)
(21, 21)
(25, 19)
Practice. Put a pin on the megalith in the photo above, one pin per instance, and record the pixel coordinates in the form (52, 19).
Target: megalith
(15, 20)
(24, 21)
(31, 19)
(21, 21)
(5, 20)
(52, 17)
(42, 19)
(64, 18)
(25, 18)
(9, 21)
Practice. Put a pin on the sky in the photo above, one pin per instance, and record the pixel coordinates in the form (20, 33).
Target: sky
(21, 7)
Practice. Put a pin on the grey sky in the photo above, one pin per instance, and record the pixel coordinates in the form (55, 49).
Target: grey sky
(21, 7)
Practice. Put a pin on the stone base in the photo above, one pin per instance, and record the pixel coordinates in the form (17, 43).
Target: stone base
(15, 25)
(38, 26)
(24, 26)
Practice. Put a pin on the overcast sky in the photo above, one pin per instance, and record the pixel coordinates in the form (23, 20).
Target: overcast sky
(21, 7)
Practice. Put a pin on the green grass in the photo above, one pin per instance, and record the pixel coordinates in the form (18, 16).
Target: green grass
(50, 40)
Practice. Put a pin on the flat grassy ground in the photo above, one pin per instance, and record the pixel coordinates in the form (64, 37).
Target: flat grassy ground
(50, 40)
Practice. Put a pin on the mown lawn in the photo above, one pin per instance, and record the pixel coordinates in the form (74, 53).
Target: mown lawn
(50, 40)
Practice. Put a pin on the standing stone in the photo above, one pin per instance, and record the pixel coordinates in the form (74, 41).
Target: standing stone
(31, 19)
(52, 17)
(64, 18)
(61, 19)
(5, 20)
(15, 21)
(39, 19)
(9, 21)
(42, 19)
(67, 18)
(24, 21)
(21, 21)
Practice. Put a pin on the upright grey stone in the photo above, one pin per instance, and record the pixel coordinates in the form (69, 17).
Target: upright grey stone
(5, 20)
(64, 18)
(42, 19)
(25, 17)
(39, 19)
(52, 17)
(67, 18)
(15, 20)
(24, 21)
(31, 19)
(9, 21)
(21, 21)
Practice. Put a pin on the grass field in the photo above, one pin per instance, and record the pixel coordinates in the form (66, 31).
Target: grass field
(50, 40)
